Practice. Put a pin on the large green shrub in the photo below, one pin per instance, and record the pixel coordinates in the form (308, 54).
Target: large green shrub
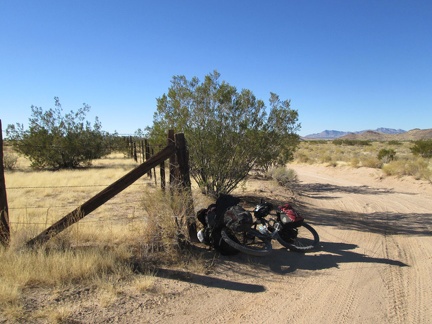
(228, 132)
(56, 141)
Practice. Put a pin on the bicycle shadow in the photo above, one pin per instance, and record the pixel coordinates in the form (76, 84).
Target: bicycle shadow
(281, 261)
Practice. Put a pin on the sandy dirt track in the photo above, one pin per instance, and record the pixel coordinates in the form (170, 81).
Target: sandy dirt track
(374, 263)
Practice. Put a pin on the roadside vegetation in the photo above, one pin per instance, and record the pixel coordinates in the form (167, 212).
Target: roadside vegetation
(116, 248)
(409, 158)
(229, 132)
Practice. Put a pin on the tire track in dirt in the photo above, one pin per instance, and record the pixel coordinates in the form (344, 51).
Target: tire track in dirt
(395, 280)
(410, 288)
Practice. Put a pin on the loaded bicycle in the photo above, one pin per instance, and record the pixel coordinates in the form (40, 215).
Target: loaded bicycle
(233, 229)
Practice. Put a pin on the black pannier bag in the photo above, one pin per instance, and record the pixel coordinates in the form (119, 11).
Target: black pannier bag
(212, 219)
(237, 219)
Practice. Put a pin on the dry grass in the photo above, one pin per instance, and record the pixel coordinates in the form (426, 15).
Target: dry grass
(112, 249)
(38, 199)
(56, 269)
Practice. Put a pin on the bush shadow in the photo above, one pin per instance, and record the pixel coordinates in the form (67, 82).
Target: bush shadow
(384, 223)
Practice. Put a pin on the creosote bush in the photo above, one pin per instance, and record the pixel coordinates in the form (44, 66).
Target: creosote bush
(229, 132)
(422, 148)
(56, 140)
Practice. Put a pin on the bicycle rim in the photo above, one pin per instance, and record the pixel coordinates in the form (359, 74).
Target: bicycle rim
(303, 238)
(252, 245)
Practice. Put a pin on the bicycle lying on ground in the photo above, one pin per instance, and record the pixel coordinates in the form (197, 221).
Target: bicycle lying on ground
(285, 225)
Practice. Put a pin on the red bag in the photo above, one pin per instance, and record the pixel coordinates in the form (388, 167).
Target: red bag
(292, 215)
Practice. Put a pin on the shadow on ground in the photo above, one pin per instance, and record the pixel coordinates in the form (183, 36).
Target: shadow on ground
(279, 262)
(208, 281)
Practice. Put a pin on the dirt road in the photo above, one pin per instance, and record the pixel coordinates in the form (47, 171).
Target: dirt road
(374, 263)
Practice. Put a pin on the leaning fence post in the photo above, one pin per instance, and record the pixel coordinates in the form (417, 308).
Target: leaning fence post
(4, 214)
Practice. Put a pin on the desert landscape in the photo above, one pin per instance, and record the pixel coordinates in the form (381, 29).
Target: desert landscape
(121, 123)
(373, 264)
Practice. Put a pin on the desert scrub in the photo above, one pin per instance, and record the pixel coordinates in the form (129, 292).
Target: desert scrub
(386, 155)
(368, 161)
(326, 159)
(301, 157)
(283, 176)
(422, 148)
(418, 168)
(166, 225)
(10, 160)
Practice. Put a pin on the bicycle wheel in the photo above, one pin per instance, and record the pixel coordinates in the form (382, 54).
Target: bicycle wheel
(301, 239)
(252, 242)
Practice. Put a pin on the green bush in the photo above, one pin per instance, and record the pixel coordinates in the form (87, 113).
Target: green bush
(386, 155)
(229, 132)
(422, 148)
(57, 141)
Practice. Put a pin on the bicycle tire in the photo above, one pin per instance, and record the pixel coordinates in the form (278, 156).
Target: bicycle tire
(261, 247)
(305, 239)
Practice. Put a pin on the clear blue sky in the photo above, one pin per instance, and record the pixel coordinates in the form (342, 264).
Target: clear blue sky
(345, 65)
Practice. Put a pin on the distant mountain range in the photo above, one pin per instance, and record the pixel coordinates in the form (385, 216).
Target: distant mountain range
(380, 134)
(333, 134)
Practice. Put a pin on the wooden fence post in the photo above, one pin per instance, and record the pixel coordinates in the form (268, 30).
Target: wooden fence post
(147, 155)
(135, 155)
(4, 212)
(162, 175)
(142, 151)
(182, 155)
(130, 143)
(172, 162)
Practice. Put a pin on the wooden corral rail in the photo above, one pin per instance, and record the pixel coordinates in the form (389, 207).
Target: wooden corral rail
(175, 151)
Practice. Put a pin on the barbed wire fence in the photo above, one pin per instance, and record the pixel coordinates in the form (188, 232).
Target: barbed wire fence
(127, 209)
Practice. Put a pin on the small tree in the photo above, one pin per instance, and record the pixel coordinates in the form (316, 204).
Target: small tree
(422, 148)
(56, 141)
(228, 132)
